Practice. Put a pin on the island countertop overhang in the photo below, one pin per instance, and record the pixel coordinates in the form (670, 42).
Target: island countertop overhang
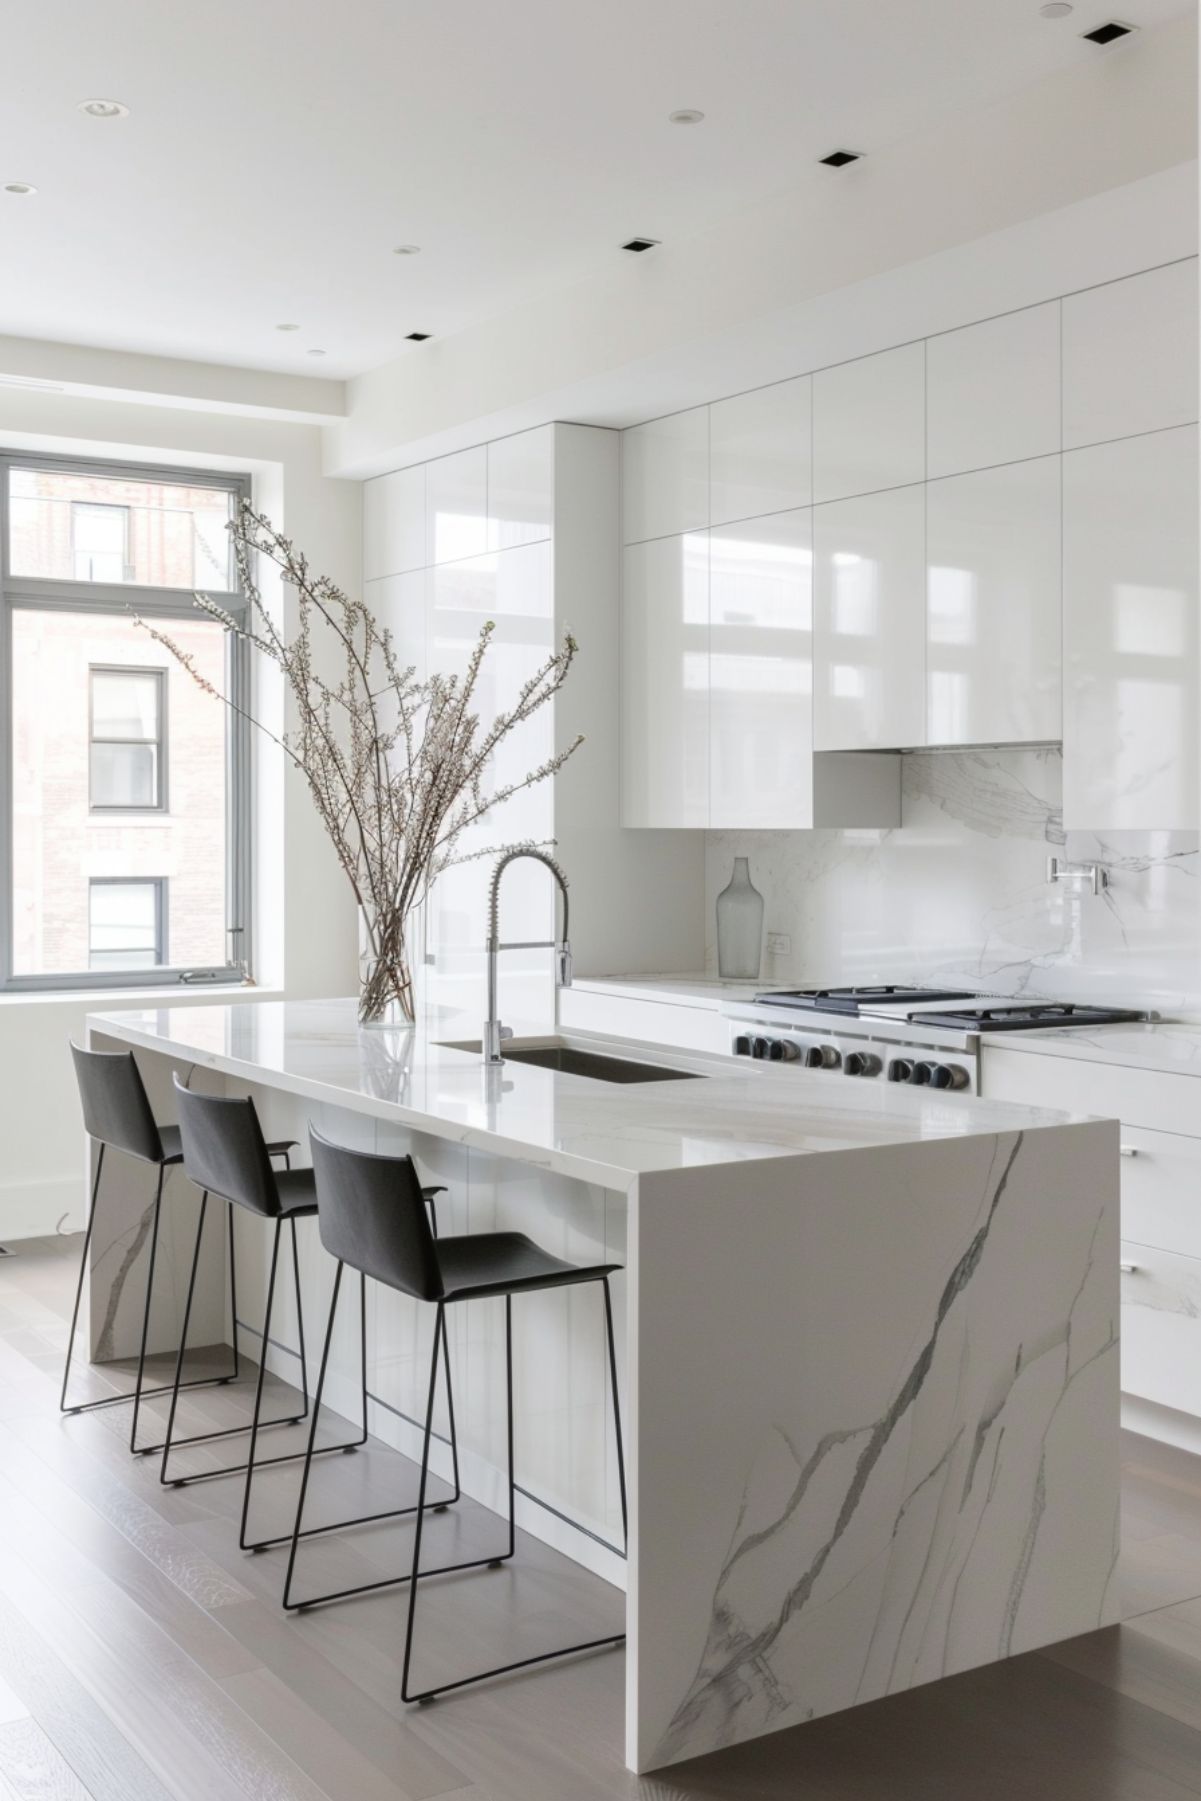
(594, 1131)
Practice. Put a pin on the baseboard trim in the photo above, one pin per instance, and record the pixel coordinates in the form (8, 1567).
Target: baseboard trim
(1164, 1423)
(34, 1209)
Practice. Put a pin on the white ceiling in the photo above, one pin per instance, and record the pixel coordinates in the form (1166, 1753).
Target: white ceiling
(276, 150)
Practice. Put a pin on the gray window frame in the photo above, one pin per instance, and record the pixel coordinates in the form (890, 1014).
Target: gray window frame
(160, 606)
(161, 915)
(161, 740)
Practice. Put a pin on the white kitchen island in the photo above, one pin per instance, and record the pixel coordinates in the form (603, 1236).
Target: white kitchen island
(870, 1362)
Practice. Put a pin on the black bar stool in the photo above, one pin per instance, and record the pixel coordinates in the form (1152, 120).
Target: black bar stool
(224, 1154)
(370, 1217)
(117, 1114)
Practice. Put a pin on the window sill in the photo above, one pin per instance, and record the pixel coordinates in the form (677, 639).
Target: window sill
(107, 1000)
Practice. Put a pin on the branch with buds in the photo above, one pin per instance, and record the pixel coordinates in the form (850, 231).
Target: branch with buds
(398, 767)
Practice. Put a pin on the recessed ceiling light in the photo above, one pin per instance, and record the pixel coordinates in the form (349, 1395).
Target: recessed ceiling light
(1108, 34)
(287, 328)
(104, 109)
(838, 159)
(638, 245)
(687, 115)
(315, 352)
(1055, 9)
(19, 187)
(406, 250)
(418, 337)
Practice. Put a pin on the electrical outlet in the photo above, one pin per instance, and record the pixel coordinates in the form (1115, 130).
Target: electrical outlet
(779, 943)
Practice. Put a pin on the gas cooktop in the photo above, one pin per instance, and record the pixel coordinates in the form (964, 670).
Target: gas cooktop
(1024, 1016)
(854, 1001)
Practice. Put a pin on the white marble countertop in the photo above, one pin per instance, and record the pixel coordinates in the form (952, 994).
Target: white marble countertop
(580, 1127)
(688, 991)
(1153, 1044)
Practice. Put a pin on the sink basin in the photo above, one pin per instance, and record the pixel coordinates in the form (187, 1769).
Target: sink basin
(595, 1064)
(572, 1062)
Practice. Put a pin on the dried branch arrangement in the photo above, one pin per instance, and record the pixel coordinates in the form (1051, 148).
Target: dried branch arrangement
(398, 767)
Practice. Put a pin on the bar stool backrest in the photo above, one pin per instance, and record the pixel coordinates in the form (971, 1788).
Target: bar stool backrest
(371, 1215)
(116, 1107)
(223, 1149)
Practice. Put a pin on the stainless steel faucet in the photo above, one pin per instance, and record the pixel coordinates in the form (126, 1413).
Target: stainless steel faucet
(494, 1033)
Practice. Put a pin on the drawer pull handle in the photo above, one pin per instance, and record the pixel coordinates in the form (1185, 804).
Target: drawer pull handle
(1128, 1150)
(1129, 1269)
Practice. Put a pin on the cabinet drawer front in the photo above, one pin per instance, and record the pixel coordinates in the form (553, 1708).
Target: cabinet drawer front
(1161, 1190)
(1161, 1327)
(1144, 1097)
(655, 1022)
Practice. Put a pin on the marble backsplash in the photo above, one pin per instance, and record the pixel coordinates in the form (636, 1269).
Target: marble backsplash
(958, 892)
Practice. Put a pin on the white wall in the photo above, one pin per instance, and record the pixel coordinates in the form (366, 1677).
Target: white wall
(305, 922)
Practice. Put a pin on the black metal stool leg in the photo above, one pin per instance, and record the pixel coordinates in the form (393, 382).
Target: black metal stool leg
(83, 1270)
(183, 1336)
(621, 1458)
(258, 1387)
(137, 1389)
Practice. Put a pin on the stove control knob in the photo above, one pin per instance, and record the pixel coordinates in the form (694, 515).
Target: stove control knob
(948, 1075)
(813, 1058)
(785, 1051)
(831, 1057)
(775, 1050)
(861, 1063)
(742, 1045)
(760, 1047)
(921, 1074)
(900, 1070)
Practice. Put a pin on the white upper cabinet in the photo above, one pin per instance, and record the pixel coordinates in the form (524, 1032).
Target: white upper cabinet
(992, 392)
(1131, 692)
(665, 476)
(394, 523)
(993, 605)
(761, 673)
(870, 621)
(869, 423)
(1130, 356)
(520, 488)
(398, 603)
(456, 494)
(665, 682)
(759, 452)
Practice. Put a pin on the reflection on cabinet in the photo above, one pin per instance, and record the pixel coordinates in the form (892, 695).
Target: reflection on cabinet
(869, 621)
(1130, 634)
(394, 523)
(869, 423)
(665, 682)
(992, 392)
(993, 605)
(456, 505)
(665, 476)
(1130, 356)
(759, 452)
(1161, 1327)
(520, 486)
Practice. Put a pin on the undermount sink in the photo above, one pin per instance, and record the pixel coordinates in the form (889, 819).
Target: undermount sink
(595, 1064)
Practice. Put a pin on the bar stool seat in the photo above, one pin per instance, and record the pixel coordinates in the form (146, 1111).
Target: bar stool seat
(495, 1263)
(297, 1193)
(173, 1147)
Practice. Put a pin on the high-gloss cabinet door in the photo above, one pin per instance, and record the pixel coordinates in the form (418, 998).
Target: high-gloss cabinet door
(760, 452)
(993, 618)
(869, 423)
(665, 476)
(869, 559)
(456, 505)
(394, 523)
(665, 682)
(992, 392)
(761, 673)
(520, 488)
(1130, 356)
(1130, 634)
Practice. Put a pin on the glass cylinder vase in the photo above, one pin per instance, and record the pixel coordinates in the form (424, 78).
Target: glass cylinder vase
(385, 975)
(739, 926)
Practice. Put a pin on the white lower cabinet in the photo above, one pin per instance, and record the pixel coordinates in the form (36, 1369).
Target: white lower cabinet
(1161, 1327)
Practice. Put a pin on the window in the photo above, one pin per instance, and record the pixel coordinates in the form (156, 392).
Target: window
(127, 739)
(122, 781)
(127, 923)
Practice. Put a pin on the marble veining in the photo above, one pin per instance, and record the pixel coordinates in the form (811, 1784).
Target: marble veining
(958, 892)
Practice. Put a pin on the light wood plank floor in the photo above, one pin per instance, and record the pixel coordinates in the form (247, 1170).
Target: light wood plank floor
(144, 1658)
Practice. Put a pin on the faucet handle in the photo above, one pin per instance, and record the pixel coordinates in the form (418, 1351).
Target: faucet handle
(563, 965)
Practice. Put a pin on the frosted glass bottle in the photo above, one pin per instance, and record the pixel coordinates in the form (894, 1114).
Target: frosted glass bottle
(739, 926)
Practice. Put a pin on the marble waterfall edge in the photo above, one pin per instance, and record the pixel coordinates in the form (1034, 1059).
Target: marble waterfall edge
(926, 1473)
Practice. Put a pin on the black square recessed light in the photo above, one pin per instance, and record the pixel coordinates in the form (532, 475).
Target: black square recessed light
(638, 245)
(1108, 34)
(838, 159)
(417, 337)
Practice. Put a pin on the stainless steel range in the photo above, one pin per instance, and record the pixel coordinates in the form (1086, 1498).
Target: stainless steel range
(926, 1037)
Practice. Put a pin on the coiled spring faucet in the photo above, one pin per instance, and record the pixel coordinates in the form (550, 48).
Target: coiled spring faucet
(494, 1033)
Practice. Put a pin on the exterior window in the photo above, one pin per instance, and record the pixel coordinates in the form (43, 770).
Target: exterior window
(128, 739)
(113, 761)
(127, 923)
